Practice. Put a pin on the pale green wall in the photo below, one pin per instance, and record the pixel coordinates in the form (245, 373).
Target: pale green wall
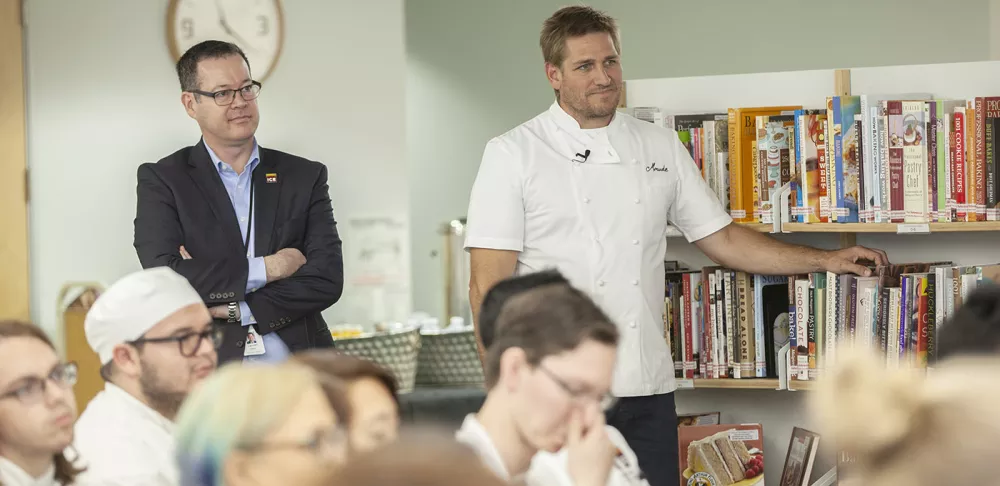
(475, 71)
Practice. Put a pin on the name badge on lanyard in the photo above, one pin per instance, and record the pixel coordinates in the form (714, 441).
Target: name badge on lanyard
(255, 344)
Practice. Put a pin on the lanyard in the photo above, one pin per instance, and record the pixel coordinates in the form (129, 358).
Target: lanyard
(246, 241)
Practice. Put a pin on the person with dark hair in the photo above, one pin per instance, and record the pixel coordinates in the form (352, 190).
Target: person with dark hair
(251, 228)
(500, 293)
(592, 191)
(373, 416)
(548, 374)
(37, 409)
(974, 328)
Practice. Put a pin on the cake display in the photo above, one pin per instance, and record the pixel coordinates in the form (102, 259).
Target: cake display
(722, 455)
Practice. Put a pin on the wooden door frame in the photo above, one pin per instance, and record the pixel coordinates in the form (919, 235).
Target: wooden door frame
(15, 299)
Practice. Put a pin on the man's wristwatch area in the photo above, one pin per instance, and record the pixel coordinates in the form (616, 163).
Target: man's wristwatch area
(234, 310)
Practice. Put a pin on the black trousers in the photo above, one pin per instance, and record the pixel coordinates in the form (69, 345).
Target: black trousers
(649, 425)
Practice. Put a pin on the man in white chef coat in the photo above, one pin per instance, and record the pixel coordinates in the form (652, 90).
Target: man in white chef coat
(155, 340)
(590, 191)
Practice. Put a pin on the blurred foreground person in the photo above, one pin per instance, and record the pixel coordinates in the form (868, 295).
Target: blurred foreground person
(259, 424)
(417, 459)
(549, 361)
(155, 341)
(37, 409)
(371, 396)
(912, 426)
(974, 328)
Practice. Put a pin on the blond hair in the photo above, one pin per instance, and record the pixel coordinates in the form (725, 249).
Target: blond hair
(236, 407)
(912, 426)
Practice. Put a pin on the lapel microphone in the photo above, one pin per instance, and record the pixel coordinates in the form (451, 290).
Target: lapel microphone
(584, 155)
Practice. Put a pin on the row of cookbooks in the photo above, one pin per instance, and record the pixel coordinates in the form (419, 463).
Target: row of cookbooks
(904, 158)
(710, 452)
(722, 323)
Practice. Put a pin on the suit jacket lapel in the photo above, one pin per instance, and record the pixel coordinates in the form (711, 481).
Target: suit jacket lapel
(266, 197)
(206, 177)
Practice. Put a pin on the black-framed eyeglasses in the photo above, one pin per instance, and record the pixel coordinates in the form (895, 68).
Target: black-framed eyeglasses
(32, 390)
(328, 439)
(187, 343)
(605, 401)
(226, 96)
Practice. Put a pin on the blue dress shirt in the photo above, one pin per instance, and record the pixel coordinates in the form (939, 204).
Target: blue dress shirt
(238, 187)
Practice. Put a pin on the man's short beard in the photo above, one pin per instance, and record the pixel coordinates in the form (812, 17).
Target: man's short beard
(164, 401)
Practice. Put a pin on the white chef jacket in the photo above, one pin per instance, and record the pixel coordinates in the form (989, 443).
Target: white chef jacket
(123, 442)
(549, 469)
(12, 475)
(601, 222)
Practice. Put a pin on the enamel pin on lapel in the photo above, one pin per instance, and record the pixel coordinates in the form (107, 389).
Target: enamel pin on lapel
(271, 178)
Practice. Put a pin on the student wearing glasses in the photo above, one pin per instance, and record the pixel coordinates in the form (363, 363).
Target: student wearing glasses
(550, 355)
(37, 409)
(259, 425)
(156, 341)
(251, 228)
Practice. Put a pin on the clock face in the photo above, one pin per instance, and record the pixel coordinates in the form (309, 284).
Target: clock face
(256, 26)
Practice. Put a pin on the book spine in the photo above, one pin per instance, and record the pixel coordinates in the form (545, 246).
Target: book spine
(713, 360)
(839, 126)
(737, 209)
(883, 134)
(830, 327)
(746, 360)
(883, 318)
(824, 186)
(758, 325)
(852, 317)
(914, 165)
(811, 327)
(862, 194)
(831, 165)
(895, 109)
(758, 164)
(731, 360)
(981, 174)
(991, 115)
(793, 315)
(875, 166)
(941, 136)
(933, 309)
(959, 147)
(902, 336)
(688, 339)
(722, 362)
(802, 309)
(930, 156)
(922, 326)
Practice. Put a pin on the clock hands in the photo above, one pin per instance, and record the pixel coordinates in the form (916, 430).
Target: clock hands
(229, 30)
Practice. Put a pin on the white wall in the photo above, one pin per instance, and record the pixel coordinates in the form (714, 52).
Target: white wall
(480, 74)
(103, 98)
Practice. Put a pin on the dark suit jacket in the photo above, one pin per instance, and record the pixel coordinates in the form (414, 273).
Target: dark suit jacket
(182, 201)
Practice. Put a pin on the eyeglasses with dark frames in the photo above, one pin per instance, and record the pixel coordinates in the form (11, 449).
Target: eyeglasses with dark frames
(606, 401)
(32, 390)
(225, 97)
(321, 440)
(187, 343)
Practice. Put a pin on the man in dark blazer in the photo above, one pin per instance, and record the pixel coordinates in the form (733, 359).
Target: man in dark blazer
(251, 228)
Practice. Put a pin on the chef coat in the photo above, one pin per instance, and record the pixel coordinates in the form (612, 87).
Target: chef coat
(12, 475)
(595, 205)
(549, 469)
(123, 442)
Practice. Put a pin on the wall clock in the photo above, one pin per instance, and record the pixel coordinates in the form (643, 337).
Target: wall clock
(257, 26)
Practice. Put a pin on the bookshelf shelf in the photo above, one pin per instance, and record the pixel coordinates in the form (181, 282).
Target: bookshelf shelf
(797, 385)
(747, 384)
(924, 228)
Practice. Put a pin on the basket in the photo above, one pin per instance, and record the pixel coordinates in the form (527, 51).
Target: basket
(395, 351)
(449, 359)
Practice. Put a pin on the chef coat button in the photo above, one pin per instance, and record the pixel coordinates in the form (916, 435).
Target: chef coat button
(635, 242)
(631, 324)
(635, 161)
(636, 200)
(586, 200)
(635, 282)
(600, 283)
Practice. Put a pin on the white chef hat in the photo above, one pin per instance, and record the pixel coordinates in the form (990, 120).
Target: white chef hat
(133, 305)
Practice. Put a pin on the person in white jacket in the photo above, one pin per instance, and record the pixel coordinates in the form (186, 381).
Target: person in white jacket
(37, 409)
(550, 354)
(155, 340)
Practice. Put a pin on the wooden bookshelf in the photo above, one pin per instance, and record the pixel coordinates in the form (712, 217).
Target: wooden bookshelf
(747, 384)
(759, 227)
(901, 228)
(798, 385)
